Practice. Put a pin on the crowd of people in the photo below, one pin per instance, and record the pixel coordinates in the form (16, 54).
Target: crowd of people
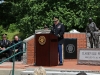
(5, 43)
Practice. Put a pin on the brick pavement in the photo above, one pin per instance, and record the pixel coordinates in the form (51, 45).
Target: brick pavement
(68, 64)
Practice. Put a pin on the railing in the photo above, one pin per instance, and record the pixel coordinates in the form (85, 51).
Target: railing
(14, 54)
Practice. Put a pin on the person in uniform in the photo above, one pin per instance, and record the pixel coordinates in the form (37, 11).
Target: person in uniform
(18, 48)
(46, 27)
(91, 30)
(4, 43)
(58, 29)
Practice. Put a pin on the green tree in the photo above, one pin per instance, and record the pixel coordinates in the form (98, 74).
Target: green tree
(29, 15)
(6, 15)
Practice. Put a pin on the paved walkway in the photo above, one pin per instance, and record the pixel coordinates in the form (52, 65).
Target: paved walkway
(68, 64)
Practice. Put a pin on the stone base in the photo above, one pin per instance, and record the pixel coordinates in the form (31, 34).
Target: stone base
(90, 56)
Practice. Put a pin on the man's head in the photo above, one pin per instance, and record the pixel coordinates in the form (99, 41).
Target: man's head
(16, 38)
(46, 27)
(4, 36)
(56, 20)
(81, 73)
(40, 71)
(90, 20)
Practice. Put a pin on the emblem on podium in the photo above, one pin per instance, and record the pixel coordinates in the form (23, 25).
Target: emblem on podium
(42, 40)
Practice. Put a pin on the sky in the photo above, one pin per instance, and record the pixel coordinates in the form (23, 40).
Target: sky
(1, 1)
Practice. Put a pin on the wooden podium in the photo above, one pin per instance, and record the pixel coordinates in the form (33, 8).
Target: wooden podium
(46, 50)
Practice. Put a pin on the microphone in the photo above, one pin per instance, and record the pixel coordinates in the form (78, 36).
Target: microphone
(54, 31)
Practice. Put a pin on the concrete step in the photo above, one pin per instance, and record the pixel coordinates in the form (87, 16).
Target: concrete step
(6, 68)
(4, 71)
(49, 71)
(52, 71)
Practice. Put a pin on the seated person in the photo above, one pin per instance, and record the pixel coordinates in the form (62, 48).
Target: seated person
(4, 43)
(18, 48)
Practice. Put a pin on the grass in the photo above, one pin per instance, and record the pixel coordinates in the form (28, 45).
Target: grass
(10, 35)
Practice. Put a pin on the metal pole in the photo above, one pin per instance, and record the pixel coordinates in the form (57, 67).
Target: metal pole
(13, 69)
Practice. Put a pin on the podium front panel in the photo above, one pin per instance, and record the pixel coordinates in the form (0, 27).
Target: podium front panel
(53, 50)
(70, 48)
(42, 51)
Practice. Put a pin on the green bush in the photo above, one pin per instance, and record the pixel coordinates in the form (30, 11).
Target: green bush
(1, 31)
(12, 28)
(29, 15)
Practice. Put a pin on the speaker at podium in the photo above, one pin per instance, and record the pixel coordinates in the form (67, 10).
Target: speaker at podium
(70, 48)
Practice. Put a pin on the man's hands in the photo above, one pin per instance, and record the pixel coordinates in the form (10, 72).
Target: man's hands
(58, 35)
(15, 50)
(2, 48)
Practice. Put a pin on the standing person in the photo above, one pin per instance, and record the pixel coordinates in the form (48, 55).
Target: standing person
(93, 37)
(18, 48)
(58, 29)
(46, 27)
(4, 43)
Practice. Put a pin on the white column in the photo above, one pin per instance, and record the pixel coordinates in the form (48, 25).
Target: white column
(62, 53)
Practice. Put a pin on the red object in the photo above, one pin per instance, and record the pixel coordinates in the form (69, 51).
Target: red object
(46, 50)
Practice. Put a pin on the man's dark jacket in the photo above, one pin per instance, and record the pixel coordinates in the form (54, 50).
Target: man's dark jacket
(19, 46)
(58, 30)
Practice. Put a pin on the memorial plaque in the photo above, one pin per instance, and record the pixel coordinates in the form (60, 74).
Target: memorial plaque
(89, 56)
(70, 48)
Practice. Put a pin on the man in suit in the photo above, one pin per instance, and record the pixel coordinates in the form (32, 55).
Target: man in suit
(18, 48)
(58, 29)
(4, 43)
